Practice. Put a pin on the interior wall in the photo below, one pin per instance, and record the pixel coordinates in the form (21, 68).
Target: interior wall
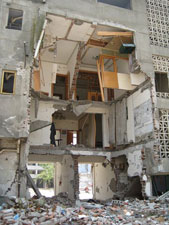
(122, 66)
(8, 186)
(71, 64)
(131, 118)
(88, 133)
(66, 124)
(46, 76)
(44, 113)
(64, 176)
(104, 181)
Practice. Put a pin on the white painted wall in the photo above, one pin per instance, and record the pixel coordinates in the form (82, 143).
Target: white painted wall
(45, 112)
(46, 76)
(135, 164)
(137, 79)
(7, 173)
(66, 124)
(71, 64)
(122, 66)
(64, 176)
(124, 81)
(102, 178)
(105, 130)
(130, 121)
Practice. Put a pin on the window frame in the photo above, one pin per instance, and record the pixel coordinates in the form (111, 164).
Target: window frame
(2, 82)
(7, 26)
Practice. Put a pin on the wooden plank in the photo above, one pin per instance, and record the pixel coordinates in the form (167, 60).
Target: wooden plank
(36, 80)
(108, 33)
(110, 80)
(98, 43)
(100, 81)
(31, 182)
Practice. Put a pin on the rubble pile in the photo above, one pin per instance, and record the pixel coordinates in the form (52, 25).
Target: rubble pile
(45, 211)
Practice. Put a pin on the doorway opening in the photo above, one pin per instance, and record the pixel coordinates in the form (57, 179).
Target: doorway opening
(99, 136)
(85, 181)
(72, 137)
(43, 177)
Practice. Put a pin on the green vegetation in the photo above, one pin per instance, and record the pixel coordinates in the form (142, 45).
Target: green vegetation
(48, 173)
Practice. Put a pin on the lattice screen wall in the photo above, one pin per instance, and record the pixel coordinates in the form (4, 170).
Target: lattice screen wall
(158, 22)
(161, 64)
(163, 134)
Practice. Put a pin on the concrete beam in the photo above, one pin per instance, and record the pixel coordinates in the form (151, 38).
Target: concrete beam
(67, 150)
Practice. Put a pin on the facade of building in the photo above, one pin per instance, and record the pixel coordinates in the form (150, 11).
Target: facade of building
(97, 70)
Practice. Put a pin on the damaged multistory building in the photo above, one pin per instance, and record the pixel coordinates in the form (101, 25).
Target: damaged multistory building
(98, 70)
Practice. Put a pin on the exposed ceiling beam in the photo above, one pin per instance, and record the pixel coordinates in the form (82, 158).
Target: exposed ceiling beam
(98, 43)
(69, 29)
(108, 33)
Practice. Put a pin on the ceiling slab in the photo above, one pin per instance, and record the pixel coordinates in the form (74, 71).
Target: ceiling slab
(64, 50)
(91, 55)
(81, 32)
(58, 26)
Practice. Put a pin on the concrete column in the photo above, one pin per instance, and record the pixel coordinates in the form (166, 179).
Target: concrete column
(76, 178)
(23, 160)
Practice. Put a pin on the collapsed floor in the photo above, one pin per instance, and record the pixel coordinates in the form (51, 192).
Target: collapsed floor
(61, 210)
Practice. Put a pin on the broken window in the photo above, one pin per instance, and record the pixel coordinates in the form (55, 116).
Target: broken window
(8, 81)
(161, 82)
(15, 18)
(119, 3)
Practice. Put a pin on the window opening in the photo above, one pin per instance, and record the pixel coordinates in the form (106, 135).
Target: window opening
(161, 82)
(15, 18)
(8, 80)
(119, 3)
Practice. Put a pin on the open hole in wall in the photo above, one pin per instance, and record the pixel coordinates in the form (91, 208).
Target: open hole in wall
(85, 181)
(160, 184)
(88, 86)
(43, 176)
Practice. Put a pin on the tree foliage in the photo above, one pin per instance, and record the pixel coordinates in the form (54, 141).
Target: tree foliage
(48, 173)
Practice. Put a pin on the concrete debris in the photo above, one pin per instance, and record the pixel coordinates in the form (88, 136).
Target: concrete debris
(50, 211)
(165, 195)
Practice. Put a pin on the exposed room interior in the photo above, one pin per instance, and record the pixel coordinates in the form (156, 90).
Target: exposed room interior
(84, 61)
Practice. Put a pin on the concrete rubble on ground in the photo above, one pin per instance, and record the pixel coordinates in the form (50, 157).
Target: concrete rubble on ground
(61, 210)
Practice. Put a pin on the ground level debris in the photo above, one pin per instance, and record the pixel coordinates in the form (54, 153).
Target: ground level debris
(61, 210)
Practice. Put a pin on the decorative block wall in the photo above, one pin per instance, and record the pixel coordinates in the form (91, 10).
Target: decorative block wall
(163, 134)
(158, 22)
